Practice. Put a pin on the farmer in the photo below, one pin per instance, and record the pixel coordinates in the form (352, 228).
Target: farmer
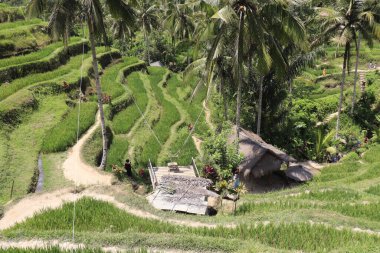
(236, 178)
(128, 168)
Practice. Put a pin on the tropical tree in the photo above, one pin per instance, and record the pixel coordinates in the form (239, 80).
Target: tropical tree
(347, 19)
(148, 19)
(179, 21)
(261, 28)
(64, 13)
(122, 31)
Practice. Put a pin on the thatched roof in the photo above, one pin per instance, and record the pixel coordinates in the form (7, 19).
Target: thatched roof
(182, 193)
(157, 64)
(303, 171)
(254, 149)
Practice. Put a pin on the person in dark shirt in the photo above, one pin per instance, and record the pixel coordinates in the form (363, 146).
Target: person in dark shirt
(128, 167)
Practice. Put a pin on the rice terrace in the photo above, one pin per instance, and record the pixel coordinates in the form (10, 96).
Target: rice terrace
(189, 126)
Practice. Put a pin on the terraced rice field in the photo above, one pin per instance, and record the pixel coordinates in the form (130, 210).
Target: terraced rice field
(160, 132)
(33, 110)
(148, 119)
(22, 36)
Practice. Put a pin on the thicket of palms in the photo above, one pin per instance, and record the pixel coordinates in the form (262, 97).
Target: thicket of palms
(350, 20)
(237, 47)
(255, 32)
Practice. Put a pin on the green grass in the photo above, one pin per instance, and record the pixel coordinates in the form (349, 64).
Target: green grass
(19, 31)
(56, 249)
(9, 13)
(331, 195)
(36, 56)
(64, 134)
(97, 217)
(185, 151)
(375, 190)
(124, 120)
(181, 90)
(38, 62)
(117, 151)
(169, 116)
(113, 77)
(17, 24)
(53, 173)
(72, 66)
(372, 155)
(23, 145)
(15, 106)
(93, 149)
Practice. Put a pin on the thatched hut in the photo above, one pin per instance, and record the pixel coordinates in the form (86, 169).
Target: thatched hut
(261, 168)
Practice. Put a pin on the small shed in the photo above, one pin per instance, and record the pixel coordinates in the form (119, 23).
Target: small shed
(157, 64)
(260, 158)
(262, 162)
(303, 171)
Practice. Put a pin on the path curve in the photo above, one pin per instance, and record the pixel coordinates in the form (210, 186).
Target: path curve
(34, 204)
(79, 172)
(208, 115)
(65, 245)
(198, 144)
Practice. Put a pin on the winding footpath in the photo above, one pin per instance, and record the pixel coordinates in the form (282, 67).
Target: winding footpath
(79, 172)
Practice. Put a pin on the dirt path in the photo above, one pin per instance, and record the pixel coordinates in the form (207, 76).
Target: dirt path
(29, 206)
(68, 246)
(208, 115)
(198, 142)
(79, 172)
(34, 204)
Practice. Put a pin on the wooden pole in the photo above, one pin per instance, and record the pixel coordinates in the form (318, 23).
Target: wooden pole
(13, 183)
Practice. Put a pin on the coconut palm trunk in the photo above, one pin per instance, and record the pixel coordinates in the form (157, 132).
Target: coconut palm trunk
(146, 38)
(239, 75)
(224, 95)
(356, 73)
(345, 58)
(98, 91)
(260, 106)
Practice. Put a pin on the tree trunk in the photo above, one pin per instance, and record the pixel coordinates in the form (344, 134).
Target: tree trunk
(224, 95)
(356, 73)
(66, 34)
(146, 39)
(239, 76)
(290, 93)
(99, 92)
(341, 90)
(259, 109)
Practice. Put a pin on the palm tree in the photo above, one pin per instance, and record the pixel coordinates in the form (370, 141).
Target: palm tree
(260, 27)
(350, 18)
(148, 19)
(179, 21)
(64, 13)
(123, 31)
